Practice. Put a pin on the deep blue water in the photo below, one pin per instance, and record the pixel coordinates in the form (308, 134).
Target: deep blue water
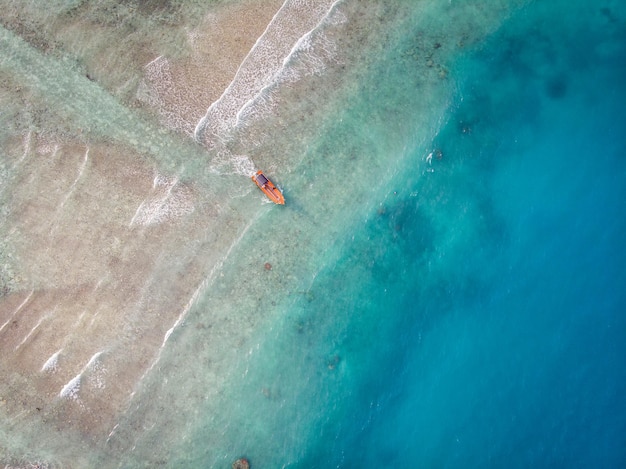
(490, 329)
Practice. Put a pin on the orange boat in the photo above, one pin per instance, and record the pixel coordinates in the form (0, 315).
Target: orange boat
(270, 190)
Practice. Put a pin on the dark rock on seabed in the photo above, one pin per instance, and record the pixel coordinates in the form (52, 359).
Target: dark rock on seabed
(241, 463)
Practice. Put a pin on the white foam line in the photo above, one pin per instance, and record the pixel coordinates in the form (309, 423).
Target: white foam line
(112, 432)
(201, 123)
(137, 212)
(17, 310)
(80, 318)
(93, 318)
(92, 360)
(32, 331)
(196, 294)
(80, 173)
(252, 76)
(153, 61)
(294, 50)
(73, 386)
(51, 363)
(27, 145)
(99, 283)
(70, 390)
(15, 418)
(160, 203)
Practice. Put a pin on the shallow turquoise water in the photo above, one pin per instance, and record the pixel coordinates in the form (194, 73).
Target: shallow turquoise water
(474, 316)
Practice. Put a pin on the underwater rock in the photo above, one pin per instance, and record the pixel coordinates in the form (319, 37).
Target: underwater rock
(333, 362)
(556, 88)
(241, 463)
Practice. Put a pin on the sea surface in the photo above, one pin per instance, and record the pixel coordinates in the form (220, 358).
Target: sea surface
(446, 285)
(471, 313)
(474, 314)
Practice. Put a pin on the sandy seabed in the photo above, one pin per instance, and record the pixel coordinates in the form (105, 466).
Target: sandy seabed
(105, 242)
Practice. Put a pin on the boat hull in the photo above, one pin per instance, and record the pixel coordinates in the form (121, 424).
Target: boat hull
(268, 188)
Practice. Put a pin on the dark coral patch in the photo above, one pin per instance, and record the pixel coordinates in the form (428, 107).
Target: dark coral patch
(556, 88)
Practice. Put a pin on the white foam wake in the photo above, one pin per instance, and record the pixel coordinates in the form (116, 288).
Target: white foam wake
(224, 162)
